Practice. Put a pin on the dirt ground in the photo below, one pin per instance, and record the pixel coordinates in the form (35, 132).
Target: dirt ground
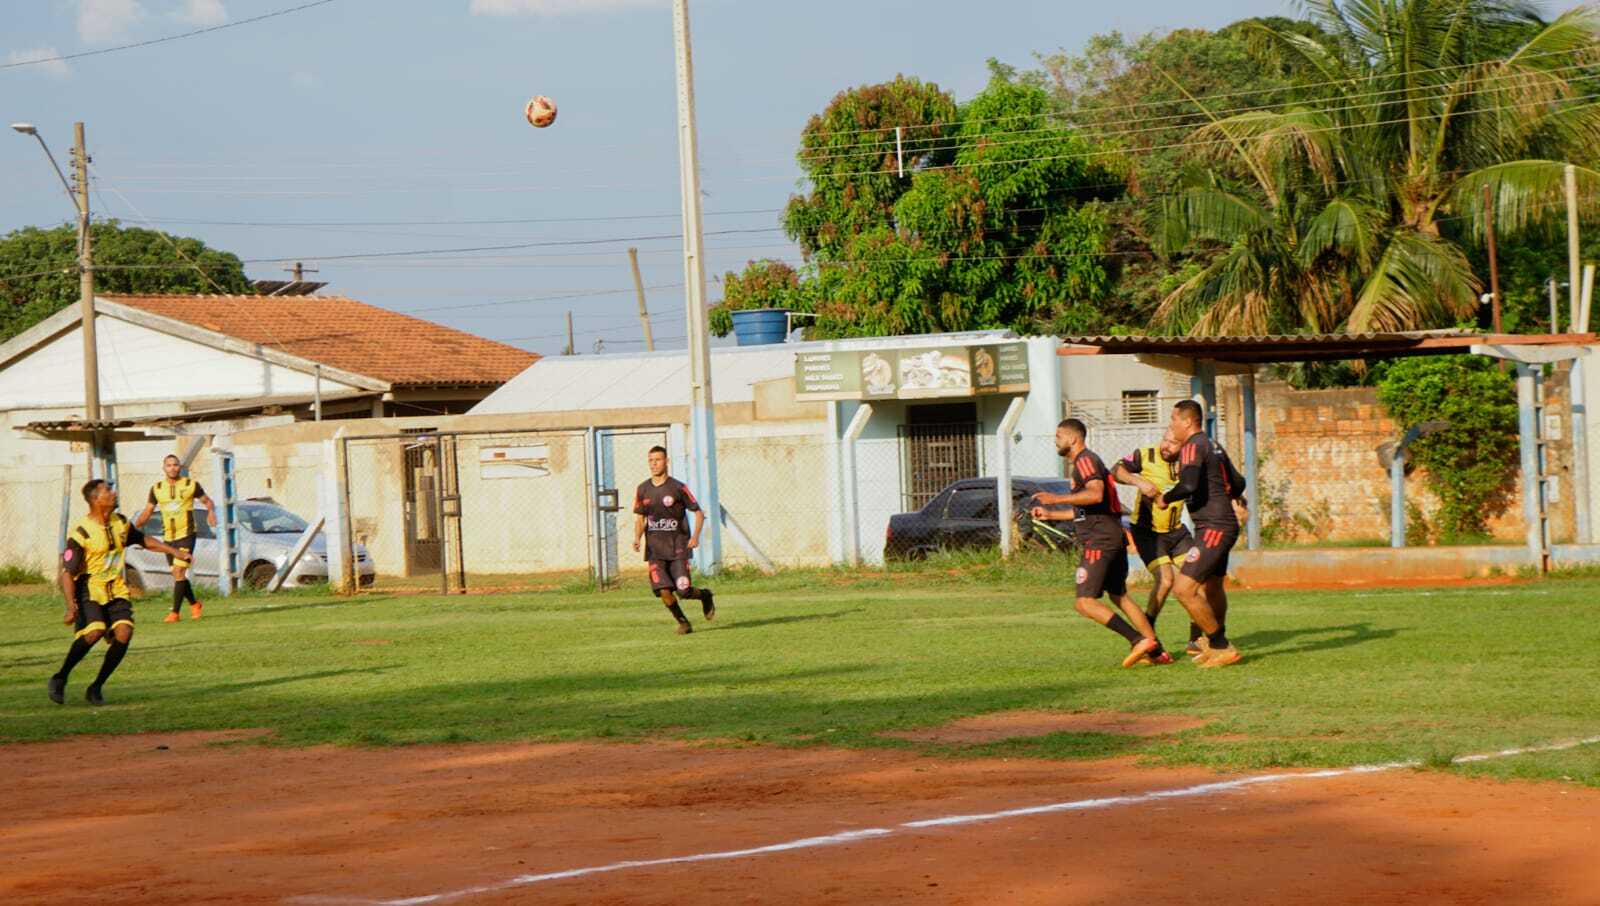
(176, 818)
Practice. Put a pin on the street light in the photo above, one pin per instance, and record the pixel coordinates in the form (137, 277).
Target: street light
(30, 129)
(100, 462)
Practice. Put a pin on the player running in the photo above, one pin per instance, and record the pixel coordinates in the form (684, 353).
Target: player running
(175, 497)
(662, 504)
(1159, 534)
(1211, 485)
(93, 584)
(1103, 568)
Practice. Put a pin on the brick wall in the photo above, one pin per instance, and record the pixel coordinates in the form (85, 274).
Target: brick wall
(1318, 455)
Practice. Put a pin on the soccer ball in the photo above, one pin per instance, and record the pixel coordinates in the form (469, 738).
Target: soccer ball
(541, 112)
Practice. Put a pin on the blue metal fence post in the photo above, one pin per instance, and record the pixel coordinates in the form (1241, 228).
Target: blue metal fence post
(1397, 503)
(227, 524)
(1528, 431)
(1247, 387)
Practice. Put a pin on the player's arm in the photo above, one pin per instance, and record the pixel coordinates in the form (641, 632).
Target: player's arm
(137, 538)
(1236, 482)
(1123, 473)
(211, 508)
(72, 564)
(149, 508)
(638, 518)
(1189, 476)
(699, 523)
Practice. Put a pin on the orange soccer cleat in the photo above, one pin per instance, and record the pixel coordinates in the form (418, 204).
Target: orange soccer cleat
(1140, 651)
(194, 611)
(171, 617)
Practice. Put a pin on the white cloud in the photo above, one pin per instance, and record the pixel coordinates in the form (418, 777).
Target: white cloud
(553, 7)
(56, 68)
(201, 13)
(105, 21)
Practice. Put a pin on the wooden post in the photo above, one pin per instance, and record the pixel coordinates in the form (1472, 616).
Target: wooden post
(638, 289)
(1494, 265)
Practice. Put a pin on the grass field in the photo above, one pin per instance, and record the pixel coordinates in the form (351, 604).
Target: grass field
(836, 659)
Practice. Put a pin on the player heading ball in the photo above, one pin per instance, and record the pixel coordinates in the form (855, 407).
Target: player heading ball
(662, 505)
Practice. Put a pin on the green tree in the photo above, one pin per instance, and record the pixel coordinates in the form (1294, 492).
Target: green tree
(1472, 465)
(39, 277)
(1359, 201)
(995, 222)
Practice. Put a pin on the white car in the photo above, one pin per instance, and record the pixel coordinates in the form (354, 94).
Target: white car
(267, 534)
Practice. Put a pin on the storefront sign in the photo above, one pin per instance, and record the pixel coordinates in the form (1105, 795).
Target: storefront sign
(913, 373)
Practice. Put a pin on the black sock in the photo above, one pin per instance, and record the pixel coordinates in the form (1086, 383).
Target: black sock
(1218, 639)
(74, 655)
(188, 592)
(1194, 632)
(1120, 626)
(109, 665)
(1152, 618)
(677, 613)
(180, 590)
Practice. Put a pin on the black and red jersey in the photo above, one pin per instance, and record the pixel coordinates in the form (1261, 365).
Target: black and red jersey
(1099, 524)
(1209, 482)
(665, 508)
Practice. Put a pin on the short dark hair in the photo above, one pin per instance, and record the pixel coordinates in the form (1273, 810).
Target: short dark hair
(1191, 411)
(1074, 427)
(173, 457)
(657, 449)
(91, 488)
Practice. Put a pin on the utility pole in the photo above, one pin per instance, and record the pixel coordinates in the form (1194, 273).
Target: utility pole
(91, 346)
(1573, 265)
(1494, 266)
(1553, 286)
(702, 423)
(572, 348)
(638, 290)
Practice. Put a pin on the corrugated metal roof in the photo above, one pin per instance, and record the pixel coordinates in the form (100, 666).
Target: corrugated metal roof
(658, 379)
(1307, 347)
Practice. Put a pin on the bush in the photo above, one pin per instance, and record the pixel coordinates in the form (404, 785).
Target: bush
(1472, 465)
(20, 575)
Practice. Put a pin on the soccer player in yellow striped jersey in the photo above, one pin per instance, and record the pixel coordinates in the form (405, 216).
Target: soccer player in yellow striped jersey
(174, 497)
(93, 583)
(1158, 530)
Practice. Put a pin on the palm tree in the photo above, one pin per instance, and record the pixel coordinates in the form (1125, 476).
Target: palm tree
(1349, 207)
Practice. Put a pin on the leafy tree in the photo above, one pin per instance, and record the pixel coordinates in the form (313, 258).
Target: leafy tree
(1359, 200)
(1472, 465)
(994, 224)
(39, 277)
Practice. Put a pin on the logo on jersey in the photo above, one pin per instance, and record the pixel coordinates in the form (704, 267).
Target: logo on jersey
(661, 525)
(1083, 575)
(1194, 554)
(667, 500)
(66, 556)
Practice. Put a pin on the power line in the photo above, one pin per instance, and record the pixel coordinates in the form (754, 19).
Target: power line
(178, 37)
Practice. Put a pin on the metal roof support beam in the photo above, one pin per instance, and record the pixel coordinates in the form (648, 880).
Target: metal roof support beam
(1247, 393)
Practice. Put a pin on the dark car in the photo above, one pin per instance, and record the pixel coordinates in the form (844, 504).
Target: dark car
(964, 515)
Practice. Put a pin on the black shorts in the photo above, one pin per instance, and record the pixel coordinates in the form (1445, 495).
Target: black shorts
(669, 575)
(183, 544)
(104, 617)
(1209, 556)
(1103, 572)
(1160, 548)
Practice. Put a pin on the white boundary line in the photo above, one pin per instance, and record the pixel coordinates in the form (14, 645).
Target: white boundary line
(872, 833)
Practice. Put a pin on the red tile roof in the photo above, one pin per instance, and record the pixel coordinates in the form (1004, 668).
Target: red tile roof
(346, 334)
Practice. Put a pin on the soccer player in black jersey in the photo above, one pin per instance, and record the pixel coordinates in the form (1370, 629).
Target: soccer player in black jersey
(662, 505)
(1212, 488)
(1103, 569)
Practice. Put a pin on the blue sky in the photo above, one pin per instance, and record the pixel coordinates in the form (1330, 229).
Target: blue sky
(367, 126)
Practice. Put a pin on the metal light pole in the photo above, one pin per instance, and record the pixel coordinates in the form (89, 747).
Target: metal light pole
(702, 424)
(91, 352)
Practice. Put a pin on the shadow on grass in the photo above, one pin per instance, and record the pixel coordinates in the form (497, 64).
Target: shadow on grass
(263, 606)
(797, 618)
(1263, 644)
(54, 659)
(226, 688)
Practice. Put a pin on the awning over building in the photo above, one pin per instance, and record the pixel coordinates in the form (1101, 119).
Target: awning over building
(1311, 347)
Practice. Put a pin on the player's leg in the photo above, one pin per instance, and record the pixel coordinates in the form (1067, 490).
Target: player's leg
(121, 635)
(684, 583)
(1162, 574)
(88, 629)
(1216, 594)
(179, 580)
(1094, 569)
(662, 584)
(1116, 588)
(1209, 558)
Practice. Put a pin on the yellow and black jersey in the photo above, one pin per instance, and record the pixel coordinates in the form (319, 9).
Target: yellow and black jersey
(1146, 462)
(175, 501)
(96, 555)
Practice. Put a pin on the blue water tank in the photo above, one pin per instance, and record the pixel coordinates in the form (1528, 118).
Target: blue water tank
(760, 326)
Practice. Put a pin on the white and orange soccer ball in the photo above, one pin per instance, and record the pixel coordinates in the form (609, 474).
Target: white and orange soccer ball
(541, 112)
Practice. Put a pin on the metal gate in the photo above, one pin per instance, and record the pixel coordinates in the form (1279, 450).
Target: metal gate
(619, 465)
(933, 456)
